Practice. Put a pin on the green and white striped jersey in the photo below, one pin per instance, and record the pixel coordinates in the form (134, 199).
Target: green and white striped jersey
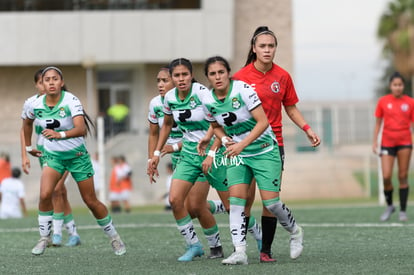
(189, 115)
(39, 138)
(156, 116)
(234, 115)
(58, 118)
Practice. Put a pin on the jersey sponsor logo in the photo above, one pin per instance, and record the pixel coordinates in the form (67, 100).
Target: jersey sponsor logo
(264, 145)
(184, 115)
(38, 114)
(225, 161)
(229, 118)
(159, 113)
(52, 124)
(404, 107)
(235, 103)
(275, 87)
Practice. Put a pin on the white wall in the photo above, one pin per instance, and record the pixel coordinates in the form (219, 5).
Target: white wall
(108, 37)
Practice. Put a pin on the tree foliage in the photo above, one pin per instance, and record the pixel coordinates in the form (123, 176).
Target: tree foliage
(396, 30)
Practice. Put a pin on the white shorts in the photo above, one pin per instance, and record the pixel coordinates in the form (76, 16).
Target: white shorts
(119, 196)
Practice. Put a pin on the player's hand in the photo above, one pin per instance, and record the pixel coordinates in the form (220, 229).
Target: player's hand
(26, 165)
(207, 164)
(167, 149)
(152, 169)
(228, 141)
(313, 138)
(233, 150)
(50, 134)
(375, 148)
(202, 146)
(35, 153)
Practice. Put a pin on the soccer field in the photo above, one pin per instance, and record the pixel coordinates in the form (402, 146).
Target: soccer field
(338, 240)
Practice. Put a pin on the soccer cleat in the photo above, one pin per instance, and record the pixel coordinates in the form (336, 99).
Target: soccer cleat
(194, 250)
(403, 216)
(56, 240)
(40, 247)
(387, 213)
(216, 252)
(266, 258)
(73, 241)
(236, 258)
(118, 245)
(296, 240)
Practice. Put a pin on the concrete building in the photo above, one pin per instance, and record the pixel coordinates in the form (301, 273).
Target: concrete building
(112, 49)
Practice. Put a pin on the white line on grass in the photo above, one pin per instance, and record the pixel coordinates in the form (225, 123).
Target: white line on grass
(155, 225)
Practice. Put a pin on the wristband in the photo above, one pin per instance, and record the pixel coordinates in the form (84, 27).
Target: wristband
(149, 160)
(157, 153)
(29, 148)
(211, 153)
(305, 127)
(175, 147)
(62, 134)
(224, 140)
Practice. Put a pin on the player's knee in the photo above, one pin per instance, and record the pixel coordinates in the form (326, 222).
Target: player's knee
(176, 202)
(45, 195)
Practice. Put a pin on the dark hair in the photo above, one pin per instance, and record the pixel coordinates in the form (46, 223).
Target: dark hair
(397, 75)
(181, 61)
(38, 75)
(59, 71)
(5, 156)
(166, 67)
(215, 59)
(251, 56)
(87, 118)
(16, 172)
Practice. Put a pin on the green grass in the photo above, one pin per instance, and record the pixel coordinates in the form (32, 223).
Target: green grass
(339, 239)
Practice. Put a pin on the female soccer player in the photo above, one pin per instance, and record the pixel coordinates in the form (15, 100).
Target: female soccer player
(182, 107)
(156, 120)
(62, 211)
(60, 119)
(235, 111)
(173, 144)
(395, 112)
(275, 88)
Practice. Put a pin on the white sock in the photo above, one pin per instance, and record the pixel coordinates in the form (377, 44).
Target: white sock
(186, 228)
(237, 222)
(216, 207)
(283, 214)
(213, 236)
(107, 226)
(71, 228)
(45, 224)
(254, 228)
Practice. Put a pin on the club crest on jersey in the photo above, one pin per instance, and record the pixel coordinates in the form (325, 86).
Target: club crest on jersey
(193, 103)
(235, 103)
(62, 112)
(275, 87)
(404, 107)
